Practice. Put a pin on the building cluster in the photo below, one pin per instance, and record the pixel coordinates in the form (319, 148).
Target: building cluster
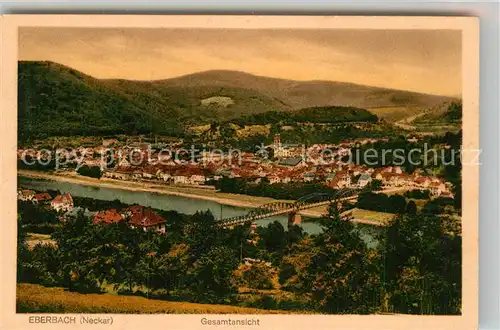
(136, 216)
(290, 163)
(60, 203)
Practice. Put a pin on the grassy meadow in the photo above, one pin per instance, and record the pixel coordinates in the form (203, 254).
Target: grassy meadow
(32, 298)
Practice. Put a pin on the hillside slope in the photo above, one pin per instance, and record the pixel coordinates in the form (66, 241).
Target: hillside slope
(57, 100)
(303, 94)
(446, 113)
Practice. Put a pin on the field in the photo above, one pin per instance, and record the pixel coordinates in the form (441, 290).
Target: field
(35, 239)
(394, 114)
(381, 217)
(32, 298)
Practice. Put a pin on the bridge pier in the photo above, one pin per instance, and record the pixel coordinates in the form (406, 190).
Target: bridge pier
(294, 219)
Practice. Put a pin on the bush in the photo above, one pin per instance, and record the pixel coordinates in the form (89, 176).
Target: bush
(42, 228)
(418, 194)
(256, 276)
(90, 171)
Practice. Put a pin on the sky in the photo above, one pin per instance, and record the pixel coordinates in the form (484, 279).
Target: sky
(427, 61)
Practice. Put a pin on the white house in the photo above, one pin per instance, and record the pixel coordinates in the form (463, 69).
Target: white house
(62, 203)
(25, 195)
(364, 179)
(437, 188)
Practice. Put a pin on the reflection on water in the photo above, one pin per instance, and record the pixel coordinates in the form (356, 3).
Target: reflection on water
(177, 203)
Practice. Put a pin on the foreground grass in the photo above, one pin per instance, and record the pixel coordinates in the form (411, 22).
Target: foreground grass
(33, 298)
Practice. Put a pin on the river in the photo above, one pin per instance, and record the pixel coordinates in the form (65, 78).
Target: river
(177, 203)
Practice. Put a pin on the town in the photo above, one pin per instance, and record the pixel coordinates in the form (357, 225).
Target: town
(289, 164)
(274, 171)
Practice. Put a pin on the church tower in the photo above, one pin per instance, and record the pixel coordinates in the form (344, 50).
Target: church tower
(277, 143)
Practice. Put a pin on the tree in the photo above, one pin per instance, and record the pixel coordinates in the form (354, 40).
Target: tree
(76, 248)
(397, 203)
(212, 274)
(90, 171)
(202, 234)
(23, 255)
(373, 201)
(44, 265)
(376, 185)
(293, 267)
(418, 194)
(422, 265)
(343, 274)
(173, 267)
(274, 237)
(255, 276)
(294, 235)
(411, 208)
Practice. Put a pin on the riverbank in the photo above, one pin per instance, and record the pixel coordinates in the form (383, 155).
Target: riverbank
(236, 200)
(226, 199)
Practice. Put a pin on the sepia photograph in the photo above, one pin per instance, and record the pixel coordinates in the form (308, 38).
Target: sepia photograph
(243, 169)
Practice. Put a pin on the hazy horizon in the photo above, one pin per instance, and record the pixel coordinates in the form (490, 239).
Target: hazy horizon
(425, 61)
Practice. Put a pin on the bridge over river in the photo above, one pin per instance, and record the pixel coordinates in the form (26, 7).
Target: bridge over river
(305, 202)
(291, 208)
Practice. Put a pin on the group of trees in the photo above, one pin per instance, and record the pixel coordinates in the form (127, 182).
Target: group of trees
(415, 268)
(428, 153)
(330, 114)
(398, 204)
(418, 194)
(88, 257)
(306, 134)
(37, 218)
(440, 205)
(381, 202)
(422, 265)
(195, 260)
(90, 171)
(291, 191)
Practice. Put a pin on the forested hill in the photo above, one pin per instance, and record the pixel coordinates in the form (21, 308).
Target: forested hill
(305, 94)
(329, 114)
(58, 100)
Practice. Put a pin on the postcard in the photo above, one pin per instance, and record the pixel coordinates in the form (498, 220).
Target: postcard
(274, 172)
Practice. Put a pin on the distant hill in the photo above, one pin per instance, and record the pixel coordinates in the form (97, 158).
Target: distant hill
(304, 94)
(57, 100)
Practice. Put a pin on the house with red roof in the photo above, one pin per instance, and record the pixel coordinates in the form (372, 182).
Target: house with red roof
(108, 217)
(422, 181)
(25, 195)
(42, 198)
(437, 188)
(139, 216)
(339, 179)
(397, 170)
(62, 203)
